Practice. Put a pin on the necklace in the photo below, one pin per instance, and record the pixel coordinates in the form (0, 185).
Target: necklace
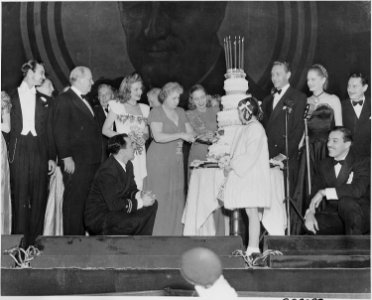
(317, 97)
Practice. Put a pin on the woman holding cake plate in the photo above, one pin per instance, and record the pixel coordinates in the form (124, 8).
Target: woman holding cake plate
(247, 175)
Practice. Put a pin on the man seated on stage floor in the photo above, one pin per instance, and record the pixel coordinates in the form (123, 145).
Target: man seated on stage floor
(343, 179)
(115, 206)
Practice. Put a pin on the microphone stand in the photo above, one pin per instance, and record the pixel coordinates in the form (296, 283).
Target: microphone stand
(288, 110)
(307, 154)
(288, 200)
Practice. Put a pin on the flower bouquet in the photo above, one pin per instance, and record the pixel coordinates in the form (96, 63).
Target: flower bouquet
(136, 136)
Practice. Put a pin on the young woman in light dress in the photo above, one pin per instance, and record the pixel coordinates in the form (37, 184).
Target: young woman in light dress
(130, 116)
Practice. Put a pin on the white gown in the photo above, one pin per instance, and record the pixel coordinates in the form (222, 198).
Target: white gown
(248, 183)
(124, 123)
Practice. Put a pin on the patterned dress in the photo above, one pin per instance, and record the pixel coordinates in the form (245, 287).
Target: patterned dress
(125, 123)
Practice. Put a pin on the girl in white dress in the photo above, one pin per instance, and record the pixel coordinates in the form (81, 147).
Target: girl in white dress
(130, 116)
(248, 173)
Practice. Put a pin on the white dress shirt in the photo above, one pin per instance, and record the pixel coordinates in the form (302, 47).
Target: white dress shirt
(77, 92)
(358, 108)
(278, 96)
(27, 98)
(138, 194)
(331, 193)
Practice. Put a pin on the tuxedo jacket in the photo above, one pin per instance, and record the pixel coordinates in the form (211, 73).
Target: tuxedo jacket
(76, 131)
(274, 122)
(100, 115)
(353, 181)
(360, 128)
(101, 118)
(43, 122)
(112, 189)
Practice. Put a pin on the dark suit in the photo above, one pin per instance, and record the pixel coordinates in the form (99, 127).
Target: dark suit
(77, 135)
(274, 123)
(28, 161)
(349, 214)
(360, 128)
(111, 207)
(101, 117)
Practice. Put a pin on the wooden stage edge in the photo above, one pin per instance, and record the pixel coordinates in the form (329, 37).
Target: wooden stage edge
(74, 281)
(310, 267)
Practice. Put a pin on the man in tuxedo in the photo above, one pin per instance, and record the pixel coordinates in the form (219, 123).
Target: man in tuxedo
(342, 185)
(274, 106)
(78, 141)
(31, 154)
(115, 206)
(45, 92)
(105, 94)
(356, 114)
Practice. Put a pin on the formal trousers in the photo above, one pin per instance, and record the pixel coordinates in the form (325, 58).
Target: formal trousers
(347, 215)
(29, 184)
(77, 186)
(140, 222)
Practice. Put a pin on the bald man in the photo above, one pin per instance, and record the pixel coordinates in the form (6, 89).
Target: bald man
(78, 141)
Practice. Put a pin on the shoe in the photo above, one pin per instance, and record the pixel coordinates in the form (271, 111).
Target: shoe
(258, 260)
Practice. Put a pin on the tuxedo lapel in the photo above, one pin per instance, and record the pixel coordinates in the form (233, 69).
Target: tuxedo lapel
(279, 106)
(16, 110)
(350, 112)
(38, 109)
(80, 104)
(366, 111)
(345, 170)
(329, 172)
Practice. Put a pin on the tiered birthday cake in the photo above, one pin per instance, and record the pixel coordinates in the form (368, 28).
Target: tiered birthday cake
(236, 87)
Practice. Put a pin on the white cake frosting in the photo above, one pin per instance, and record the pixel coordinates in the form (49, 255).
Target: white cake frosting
(235, 85)
(231, 101)
(228, 120)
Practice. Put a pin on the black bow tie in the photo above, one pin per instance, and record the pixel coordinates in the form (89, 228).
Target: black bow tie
(84, 97)
(360, 102)
(341, 162)
(276, 91)
(106, 110)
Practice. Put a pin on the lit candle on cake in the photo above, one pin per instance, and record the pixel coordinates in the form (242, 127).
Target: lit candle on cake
(230, 52)
(243, 53)
(235, 52)
(225, 48)
(239, 53)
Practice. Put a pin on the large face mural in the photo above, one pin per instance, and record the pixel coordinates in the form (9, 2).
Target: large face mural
(174, 41)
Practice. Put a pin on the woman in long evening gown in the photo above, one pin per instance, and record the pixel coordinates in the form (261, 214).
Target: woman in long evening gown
(170, 128)
(130, 116)
(324, 113)
(248, 183)
(6, 206)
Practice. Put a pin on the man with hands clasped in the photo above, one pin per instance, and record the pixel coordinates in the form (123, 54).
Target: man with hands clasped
(341, 204)
(115, 206)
